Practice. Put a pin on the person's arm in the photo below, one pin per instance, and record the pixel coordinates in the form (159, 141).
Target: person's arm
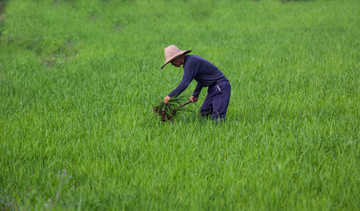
(189, 74)
(197, 90)
(181, 87)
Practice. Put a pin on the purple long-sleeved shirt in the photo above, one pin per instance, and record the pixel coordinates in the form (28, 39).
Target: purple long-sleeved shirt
(199, 69)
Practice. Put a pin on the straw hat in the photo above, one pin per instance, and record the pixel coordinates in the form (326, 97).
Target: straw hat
(172, 52)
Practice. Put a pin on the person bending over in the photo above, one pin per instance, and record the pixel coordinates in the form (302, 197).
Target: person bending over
(207, 75)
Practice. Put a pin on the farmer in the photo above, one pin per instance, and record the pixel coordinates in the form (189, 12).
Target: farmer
(206, 75)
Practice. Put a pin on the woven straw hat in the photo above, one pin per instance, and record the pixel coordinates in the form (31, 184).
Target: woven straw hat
(172, 52)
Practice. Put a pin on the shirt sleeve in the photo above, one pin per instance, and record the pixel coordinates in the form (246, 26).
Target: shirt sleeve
(189, 74)
(197, 90)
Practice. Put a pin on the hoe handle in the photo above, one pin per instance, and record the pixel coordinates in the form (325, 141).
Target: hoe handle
(184, 104)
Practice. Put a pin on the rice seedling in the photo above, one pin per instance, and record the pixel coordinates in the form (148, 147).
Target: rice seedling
(168, 111)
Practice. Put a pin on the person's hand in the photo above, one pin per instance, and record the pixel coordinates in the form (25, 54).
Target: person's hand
(193, 99)
(166, 99)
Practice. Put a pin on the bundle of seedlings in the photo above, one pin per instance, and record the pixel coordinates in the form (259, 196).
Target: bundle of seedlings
(168, 111)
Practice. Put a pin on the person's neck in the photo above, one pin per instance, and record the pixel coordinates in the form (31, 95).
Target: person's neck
(182, 59)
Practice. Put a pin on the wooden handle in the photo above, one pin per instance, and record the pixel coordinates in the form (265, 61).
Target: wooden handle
(184, 104)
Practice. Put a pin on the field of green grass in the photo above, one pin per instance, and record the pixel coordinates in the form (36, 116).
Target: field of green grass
(78, 80)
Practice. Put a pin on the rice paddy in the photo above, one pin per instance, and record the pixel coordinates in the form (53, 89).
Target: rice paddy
(79, 79)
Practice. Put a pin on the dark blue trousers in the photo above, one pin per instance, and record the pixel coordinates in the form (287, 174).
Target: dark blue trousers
(217, 100)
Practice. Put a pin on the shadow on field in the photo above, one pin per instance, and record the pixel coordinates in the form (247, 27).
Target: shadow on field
(51, 52)
(2, 15)
(2, 6)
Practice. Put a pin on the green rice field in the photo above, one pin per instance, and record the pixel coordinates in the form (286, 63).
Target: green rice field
(79, 79)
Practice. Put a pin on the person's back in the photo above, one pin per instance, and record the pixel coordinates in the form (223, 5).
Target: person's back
(206, 72)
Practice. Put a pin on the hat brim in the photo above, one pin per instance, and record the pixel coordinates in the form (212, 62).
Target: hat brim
(174, 57)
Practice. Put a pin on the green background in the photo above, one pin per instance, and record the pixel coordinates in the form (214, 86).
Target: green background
(78, 80)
